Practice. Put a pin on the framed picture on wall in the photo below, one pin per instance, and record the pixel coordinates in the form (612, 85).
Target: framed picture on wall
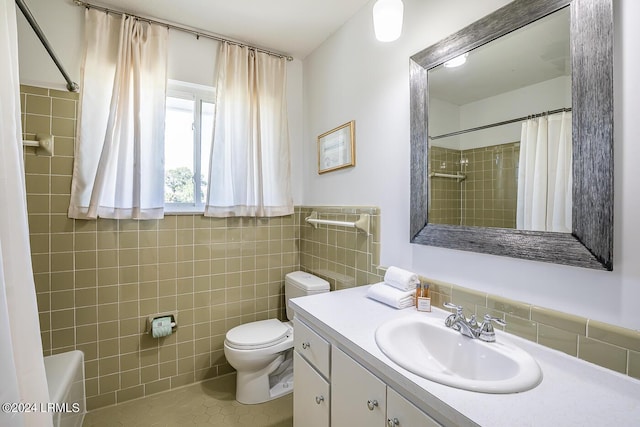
(336, 148)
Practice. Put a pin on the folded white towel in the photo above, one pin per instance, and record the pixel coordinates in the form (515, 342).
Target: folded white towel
(401, 279)
(391, 296)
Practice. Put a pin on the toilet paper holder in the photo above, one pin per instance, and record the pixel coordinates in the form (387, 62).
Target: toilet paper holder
(150, 319)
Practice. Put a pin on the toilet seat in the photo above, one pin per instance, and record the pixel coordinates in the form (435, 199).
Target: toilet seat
(260, 334)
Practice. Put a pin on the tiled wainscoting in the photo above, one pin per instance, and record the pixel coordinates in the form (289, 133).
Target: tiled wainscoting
(346, 257)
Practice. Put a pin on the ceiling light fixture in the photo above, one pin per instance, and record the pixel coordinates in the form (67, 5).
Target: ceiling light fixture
(387, 19)
(457, 61)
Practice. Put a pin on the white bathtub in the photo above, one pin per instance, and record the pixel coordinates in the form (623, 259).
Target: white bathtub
(65, 377)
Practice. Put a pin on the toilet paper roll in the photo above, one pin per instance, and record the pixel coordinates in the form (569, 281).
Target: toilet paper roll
(161, 327)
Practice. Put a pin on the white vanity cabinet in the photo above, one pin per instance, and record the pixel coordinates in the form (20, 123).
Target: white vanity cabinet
(315, 349)
(332, 389)
(360, 399)
(311, 390)
(402, 413)
(310, 395)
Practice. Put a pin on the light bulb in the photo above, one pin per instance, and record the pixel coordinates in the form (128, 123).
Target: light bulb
(387, 19)
(457, 61)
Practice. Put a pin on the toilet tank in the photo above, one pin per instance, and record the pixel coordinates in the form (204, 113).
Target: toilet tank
(299, 284)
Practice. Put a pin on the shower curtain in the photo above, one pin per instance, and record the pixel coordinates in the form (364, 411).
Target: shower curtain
(22, 374)
(545, 174)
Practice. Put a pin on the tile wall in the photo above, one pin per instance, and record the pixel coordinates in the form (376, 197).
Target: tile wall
(445, 199)
(486, 197)
(491, 187)
(346, 257)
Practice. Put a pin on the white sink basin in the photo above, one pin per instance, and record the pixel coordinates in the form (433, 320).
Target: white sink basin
(426, 347)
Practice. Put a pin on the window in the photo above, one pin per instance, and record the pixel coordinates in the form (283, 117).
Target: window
(188, 134)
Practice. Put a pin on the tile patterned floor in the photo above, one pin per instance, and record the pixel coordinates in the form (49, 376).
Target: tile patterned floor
(209, 403)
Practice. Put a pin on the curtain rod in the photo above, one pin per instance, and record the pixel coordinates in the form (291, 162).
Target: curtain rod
(519, 119)
(71, 85)
(172, 26)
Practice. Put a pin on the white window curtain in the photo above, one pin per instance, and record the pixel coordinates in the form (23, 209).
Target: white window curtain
(119, 157)
(22, 373)
(545, 175)
(250, 166)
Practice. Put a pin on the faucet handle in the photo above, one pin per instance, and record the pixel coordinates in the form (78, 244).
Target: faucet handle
(489, 318)
(457, 308)
(472, 321)
(486, 329)
(452, 320)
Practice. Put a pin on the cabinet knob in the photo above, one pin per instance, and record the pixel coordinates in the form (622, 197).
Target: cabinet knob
(371, 404)
(393, 422)
(319, 399)
(306, 345)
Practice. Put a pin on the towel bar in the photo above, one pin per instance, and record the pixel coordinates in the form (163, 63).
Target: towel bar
(43, 144)
(361, 224)
(458, 176)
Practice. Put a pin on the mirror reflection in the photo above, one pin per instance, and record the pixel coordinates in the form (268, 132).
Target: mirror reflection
(500, 132)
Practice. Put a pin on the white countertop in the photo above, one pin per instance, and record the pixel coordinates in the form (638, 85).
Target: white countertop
(572, 392)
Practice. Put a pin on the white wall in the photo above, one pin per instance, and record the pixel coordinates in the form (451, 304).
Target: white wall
(445, 117)
(544, 96)
(190, 59)
(352, 76)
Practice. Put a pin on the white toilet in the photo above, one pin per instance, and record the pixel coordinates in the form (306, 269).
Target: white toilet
(262, 351)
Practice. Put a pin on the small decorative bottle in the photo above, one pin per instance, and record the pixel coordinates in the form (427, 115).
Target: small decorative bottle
(423, 301)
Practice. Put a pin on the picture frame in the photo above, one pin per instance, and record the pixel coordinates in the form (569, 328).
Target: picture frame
(336, 148)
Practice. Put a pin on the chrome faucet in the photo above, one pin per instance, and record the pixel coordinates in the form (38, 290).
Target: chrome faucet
(469, 327)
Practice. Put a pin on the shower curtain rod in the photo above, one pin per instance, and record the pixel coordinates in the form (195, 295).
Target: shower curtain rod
(71, 85)
(172, 26)
(492, 125)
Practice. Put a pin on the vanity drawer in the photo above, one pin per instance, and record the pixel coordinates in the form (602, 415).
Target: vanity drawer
(315, 349)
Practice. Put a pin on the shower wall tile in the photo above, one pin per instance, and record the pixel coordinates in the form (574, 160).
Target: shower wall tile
(486, 197)
(38, 105)
(445, 193)
(490, 189)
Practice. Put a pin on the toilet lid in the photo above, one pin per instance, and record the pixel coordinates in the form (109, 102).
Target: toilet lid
(263, 333)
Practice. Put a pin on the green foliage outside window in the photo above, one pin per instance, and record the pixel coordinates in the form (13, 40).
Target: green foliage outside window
(179, 186)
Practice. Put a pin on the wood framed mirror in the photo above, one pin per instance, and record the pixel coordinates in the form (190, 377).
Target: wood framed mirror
(590, 243)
